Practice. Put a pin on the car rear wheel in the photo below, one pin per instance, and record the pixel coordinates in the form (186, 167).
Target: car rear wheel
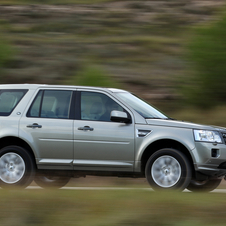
(51, 180)
(16, 167)
(204, 186)
(168, 169)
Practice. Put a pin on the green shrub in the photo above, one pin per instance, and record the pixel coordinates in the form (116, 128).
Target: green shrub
(6, 53)
(93, 76)
(207, 54)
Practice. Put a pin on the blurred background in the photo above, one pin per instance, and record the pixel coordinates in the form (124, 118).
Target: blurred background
(172, 53)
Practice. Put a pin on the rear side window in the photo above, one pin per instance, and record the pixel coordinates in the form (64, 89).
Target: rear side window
(9, 100)
(51, 104)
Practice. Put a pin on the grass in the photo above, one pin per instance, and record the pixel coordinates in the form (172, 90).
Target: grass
(110, 208)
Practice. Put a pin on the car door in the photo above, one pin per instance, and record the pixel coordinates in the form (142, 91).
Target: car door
(48, 128)
(99, 143)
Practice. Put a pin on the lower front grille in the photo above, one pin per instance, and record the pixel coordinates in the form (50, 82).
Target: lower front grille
(222, 165)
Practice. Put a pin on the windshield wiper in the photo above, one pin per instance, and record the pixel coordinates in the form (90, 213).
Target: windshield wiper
(160, 118)
(153, 118)
(170, 118)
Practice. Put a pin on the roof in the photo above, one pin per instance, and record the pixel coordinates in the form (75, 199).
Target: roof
(36, 86)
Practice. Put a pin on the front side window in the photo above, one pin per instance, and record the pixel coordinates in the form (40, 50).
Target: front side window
(97, 106)
(9, 100)
(51, 104)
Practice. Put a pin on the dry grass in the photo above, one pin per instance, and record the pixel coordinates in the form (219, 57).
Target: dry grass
(214, 116)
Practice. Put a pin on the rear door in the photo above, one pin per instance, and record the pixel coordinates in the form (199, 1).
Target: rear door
(48, 128)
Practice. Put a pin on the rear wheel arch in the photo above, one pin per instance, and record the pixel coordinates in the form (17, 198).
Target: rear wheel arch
(165, 143)
(17, 167)
(15, 141)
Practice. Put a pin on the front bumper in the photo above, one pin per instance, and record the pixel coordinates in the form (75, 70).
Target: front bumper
(210, 159)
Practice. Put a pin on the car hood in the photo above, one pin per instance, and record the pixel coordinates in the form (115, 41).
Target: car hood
(182, 124)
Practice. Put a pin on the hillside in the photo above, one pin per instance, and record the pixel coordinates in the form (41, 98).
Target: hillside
(139, 44)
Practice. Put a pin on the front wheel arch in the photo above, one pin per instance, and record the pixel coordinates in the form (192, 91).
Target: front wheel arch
(165, 143)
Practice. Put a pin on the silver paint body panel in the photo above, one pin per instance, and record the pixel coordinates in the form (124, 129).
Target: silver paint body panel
(109, 142)
(110, 146)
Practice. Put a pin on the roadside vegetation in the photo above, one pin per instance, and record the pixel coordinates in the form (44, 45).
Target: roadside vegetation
(93, 76)
(151, 48)
(206, 85)
(57, 2)
(6, 56)
(122, 207)
(171, 53)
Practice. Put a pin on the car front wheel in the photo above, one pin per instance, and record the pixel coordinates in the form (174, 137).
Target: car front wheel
(16, 167)
(168, 169)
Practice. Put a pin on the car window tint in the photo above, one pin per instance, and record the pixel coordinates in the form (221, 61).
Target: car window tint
(9, 100)
(97, 106)
(34, 110)
(51, 104)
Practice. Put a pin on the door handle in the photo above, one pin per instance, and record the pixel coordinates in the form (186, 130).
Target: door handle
(85, 128)
(34, 125)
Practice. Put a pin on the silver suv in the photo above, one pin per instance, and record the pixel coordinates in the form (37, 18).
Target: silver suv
(52, 133)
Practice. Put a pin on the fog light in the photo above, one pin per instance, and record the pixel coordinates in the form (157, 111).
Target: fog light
(215, 153)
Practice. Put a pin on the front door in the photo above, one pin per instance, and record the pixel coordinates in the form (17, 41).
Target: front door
(99, 143)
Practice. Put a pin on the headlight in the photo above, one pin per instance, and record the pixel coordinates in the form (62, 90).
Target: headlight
(207, 136)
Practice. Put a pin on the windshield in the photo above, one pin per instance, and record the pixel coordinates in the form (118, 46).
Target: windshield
(143, 108)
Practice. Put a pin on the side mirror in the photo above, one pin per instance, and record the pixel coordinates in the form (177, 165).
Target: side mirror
(119, 116)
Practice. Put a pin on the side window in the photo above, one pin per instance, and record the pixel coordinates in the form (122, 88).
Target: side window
(35, 107)
(97, 106)
(9, 100)
(51, 104)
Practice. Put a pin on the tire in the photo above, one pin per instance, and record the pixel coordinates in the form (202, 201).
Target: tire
(46, 180)
(17, 169)
(204, 186)
(168, 169)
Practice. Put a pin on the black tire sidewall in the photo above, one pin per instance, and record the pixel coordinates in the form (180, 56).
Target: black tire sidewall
(210, 185)
(29, 166)
(184, 164)
(60, 181)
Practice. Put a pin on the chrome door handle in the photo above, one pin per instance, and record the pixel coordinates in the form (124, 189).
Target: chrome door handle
(34, 125)
(85, 128)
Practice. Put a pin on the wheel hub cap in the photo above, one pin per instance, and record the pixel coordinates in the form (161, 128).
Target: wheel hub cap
(12, 168)
(166, 171)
